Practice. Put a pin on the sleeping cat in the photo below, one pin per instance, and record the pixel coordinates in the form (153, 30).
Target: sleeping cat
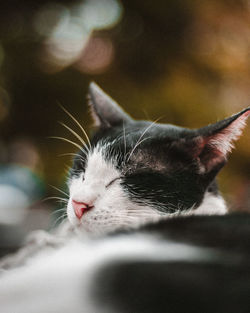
(133, 172)
(141, 181)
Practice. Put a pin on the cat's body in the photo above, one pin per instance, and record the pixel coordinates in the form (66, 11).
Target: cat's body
(186, 264)
(141, 181)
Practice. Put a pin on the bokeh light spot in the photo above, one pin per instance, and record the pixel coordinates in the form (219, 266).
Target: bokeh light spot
(67, 32)
(99, 14)
(48, 17)
(97, 56)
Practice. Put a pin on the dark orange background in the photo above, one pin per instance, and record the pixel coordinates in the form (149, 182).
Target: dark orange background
(188, 61)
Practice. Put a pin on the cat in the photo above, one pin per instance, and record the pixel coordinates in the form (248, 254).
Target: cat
(133, 172)
(137, 193)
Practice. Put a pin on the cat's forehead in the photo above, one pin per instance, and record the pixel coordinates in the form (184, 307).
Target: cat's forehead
(97, 165)
(140, 133)
(143, 145)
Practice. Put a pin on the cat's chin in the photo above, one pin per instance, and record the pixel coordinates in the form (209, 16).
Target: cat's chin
(85, 230)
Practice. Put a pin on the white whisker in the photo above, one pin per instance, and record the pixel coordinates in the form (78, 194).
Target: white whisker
(72, 154)
(70, 141)
(139, 141)
(79, 125)
(58, 189)
(76, 135)
(59, 219)
(124, 140)
(56, 198)
(57, 211)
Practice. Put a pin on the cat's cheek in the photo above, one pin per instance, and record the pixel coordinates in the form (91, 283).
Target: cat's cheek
(71, 214)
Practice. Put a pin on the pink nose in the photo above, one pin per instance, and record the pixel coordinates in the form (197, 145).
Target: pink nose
(80, 208)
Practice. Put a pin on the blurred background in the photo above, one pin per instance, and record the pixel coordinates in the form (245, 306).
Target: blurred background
(188, 61)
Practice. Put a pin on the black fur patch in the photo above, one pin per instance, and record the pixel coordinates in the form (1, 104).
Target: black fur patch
(213, 285)
(155, 167)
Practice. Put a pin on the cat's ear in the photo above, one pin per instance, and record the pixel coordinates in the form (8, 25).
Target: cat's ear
(105, 111)
(215, 141)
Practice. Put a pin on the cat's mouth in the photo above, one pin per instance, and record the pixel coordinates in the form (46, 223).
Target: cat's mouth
(80, 208)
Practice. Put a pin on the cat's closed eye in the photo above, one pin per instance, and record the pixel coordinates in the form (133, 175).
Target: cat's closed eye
(112, 181)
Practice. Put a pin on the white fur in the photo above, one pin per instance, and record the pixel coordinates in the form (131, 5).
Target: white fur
(60, 281)
(112, 208)
(211, 205)
(223, 141)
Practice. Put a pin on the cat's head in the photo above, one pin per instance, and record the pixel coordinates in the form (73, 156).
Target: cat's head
(137, 171)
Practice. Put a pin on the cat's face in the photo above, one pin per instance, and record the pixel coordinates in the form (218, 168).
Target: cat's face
(132, 175)
(138, 171)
